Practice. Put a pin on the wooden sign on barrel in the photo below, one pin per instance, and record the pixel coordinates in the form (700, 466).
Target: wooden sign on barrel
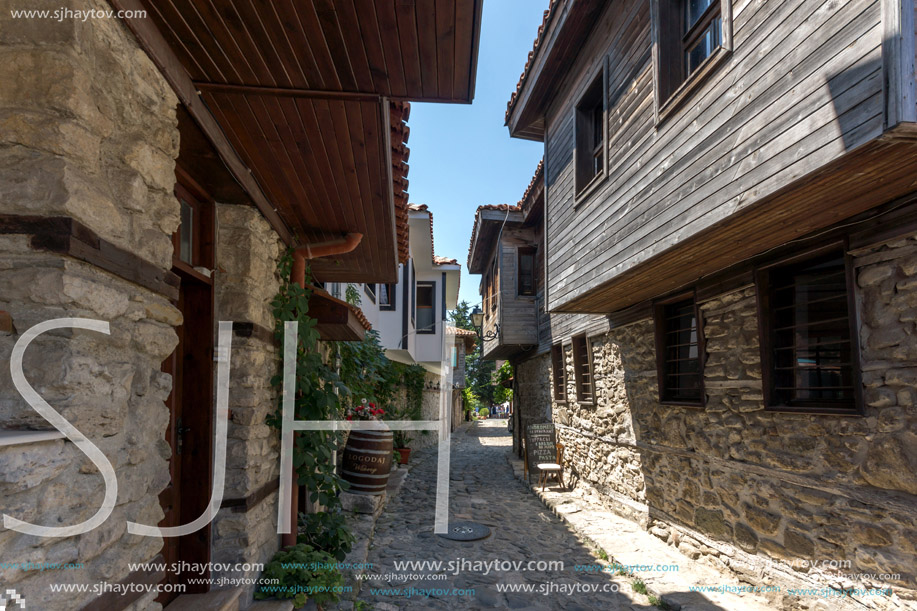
(540, 444)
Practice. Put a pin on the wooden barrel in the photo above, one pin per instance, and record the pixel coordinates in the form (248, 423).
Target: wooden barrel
(367, 461)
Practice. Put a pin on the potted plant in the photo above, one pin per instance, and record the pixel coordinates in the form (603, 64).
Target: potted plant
(401, 440)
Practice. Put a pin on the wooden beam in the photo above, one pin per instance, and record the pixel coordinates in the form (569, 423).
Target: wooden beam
(360, 96)
(898, 62)
(69, 237)
(153, 43)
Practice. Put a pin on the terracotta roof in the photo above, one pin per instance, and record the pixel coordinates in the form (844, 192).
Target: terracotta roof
(437, 260)
(470, 338)
(548, 14)
(526, 202)
(520, 207)
(399, 115)
(460, 332)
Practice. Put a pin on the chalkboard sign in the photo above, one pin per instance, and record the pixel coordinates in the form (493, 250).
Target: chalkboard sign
(540, 444)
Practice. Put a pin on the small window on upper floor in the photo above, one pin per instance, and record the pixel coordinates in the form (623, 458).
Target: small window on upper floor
(370, 290)
(691, 35)
(590, 135)
(387, 296)
(426, 307)
(526, 270)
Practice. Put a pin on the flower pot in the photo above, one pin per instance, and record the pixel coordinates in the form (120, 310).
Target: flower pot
(405, 454)
(368, 460)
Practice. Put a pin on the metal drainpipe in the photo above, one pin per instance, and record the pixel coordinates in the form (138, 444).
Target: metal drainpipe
(298, 275)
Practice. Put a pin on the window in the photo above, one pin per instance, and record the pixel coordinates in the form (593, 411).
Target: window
(582, 368)
(590, 134)
(413, 280)
(526, 270)
(370, 290)
(679, 352)
(809, 349)
(426, 307)
(454, 356)
(387, 296)
(192, 243)
(559, 371)
(690, 32)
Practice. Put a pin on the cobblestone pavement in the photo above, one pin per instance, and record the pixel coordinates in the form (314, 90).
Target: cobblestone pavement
(483, 490)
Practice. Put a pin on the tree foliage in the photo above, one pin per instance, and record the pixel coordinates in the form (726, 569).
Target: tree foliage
(478, 372)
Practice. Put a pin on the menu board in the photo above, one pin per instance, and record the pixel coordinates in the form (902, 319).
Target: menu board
(540, 444)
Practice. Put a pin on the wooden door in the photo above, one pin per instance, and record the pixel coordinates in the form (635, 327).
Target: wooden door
(191, 426)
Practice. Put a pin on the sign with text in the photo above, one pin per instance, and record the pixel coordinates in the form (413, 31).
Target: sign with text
(540, 444)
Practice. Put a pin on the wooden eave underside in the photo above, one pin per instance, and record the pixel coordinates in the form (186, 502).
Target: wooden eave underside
(563, 41)
(309, 98)
(486, 231)
(868, 177)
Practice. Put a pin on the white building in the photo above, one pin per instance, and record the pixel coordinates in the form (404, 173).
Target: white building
(410, 315)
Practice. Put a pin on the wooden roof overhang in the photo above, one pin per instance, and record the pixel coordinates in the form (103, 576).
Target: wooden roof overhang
(311, 98)
(488, 222)
(566, 26)
(336, 320)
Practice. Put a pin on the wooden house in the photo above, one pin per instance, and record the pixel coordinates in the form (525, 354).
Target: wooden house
(729, 190)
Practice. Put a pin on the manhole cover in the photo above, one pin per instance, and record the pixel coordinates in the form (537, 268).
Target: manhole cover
(466, 531)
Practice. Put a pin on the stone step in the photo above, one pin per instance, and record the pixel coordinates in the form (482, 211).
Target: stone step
(215, 600)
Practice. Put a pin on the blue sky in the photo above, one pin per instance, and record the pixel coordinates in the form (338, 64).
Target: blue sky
(461, 155)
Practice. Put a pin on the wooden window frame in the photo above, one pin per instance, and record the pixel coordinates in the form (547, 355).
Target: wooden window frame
(558, 362)
(659, 319)
(763, 281)
(527, 251)
(392, 298)
(584, 148)
(370, 289)
(671, 85)
(578, 365)
(432, 285)
(203, 242)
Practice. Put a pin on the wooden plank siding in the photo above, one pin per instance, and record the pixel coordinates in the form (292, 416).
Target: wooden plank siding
(802, 89)
(518, 324)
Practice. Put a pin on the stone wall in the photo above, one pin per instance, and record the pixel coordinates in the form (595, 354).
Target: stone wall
(764, 494)
(432, 391)
(247, 254)
(89, 131)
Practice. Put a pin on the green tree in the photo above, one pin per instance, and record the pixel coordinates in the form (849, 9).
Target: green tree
(478, 372)
(501, 393)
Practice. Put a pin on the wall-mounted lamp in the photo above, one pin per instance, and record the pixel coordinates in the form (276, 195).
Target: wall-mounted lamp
(477, 320)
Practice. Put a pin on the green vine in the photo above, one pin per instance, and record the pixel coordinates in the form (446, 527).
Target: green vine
(327, 381)
(318, 392)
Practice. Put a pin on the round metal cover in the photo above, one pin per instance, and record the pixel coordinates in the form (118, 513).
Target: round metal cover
(466, 531)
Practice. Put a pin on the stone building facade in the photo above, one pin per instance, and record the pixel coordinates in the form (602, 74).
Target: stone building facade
(778, 499)
(89, 134)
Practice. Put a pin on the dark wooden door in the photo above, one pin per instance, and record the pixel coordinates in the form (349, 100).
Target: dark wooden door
(190, 431)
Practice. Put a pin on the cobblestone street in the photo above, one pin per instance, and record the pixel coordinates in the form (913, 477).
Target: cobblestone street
(483, 489)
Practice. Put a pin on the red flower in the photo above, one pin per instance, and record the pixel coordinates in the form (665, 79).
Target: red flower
(350, 417)
(372, 405)
(360, 408)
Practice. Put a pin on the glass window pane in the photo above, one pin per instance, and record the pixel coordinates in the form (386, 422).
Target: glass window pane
(704, 47)
(693, 11)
